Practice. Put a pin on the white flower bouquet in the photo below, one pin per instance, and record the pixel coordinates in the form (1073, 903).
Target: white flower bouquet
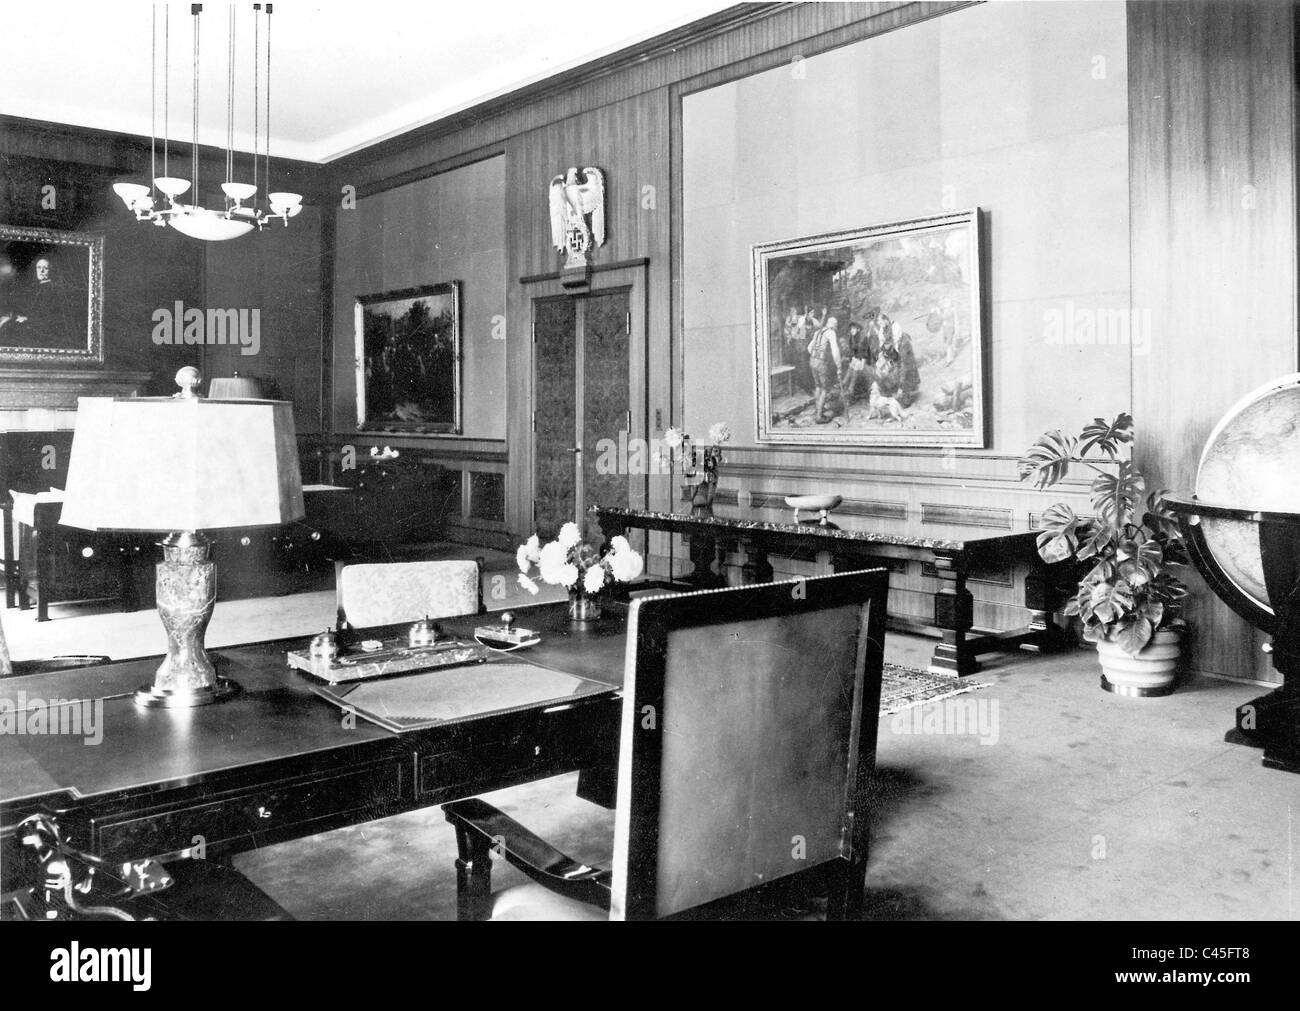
(570, 562)
(695, 457)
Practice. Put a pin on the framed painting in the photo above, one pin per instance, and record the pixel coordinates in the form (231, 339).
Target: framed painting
(408, 360)
(872, 337)
(51, 296)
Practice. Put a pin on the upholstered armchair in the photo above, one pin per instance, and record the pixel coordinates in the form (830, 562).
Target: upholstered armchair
(748, 736)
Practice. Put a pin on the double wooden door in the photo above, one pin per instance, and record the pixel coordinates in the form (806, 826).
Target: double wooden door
(589, 396)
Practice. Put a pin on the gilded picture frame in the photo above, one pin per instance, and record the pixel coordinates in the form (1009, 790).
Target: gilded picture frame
(872, 336)
(51, 296)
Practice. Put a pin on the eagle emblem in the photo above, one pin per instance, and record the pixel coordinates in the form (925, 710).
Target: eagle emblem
(575, 197)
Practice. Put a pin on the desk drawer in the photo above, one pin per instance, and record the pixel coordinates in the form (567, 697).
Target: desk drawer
(246, 815)
(562, 738)
(436, 773)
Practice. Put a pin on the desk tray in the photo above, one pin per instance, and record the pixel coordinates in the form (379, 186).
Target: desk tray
(395, 657)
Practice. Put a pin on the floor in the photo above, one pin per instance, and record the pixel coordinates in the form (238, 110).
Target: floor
(1054, 801)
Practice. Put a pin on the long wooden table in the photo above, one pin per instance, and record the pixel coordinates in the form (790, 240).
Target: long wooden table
(954, 558)
(277, 762)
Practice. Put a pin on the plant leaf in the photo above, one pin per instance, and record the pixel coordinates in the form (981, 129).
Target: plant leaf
(1106, 436)
(1132, 638)
(1098, 543)
(1060, 537)
(1159, 519)
(1047, 461)
(1111, 601)
(1114, 496)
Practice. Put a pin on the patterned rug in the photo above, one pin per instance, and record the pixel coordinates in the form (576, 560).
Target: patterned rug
(904, 687)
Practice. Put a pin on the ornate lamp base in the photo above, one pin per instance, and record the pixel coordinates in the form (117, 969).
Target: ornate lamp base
(153, 697)
(187, 594)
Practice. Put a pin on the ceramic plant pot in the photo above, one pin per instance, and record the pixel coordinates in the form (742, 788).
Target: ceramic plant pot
(1152, 672)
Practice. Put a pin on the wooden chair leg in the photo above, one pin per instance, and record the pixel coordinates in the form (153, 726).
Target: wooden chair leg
(847, 892)
(473, 875)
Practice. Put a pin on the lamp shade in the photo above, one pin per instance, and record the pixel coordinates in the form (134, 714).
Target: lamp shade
(235, 387)
(200, 223)
(168, 464)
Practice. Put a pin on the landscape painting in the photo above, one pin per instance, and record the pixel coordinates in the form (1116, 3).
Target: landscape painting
(872, 337)
(408, 360)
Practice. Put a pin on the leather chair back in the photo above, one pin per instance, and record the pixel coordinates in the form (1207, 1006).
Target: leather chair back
(749, 730)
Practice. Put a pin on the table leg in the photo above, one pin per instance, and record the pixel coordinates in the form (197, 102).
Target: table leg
(43, 553)
(1044, 596)
(11, 566)
(704, 555)
(954, 610)
(127, 596)
(757, 569)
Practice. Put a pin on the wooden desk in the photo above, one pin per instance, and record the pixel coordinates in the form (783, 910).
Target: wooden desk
(277, 762)
(954, 557)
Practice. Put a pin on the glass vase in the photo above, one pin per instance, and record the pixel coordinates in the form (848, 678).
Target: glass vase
(582, 607)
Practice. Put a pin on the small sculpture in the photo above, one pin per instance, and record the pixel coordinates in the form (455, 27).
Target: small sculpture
(574, 196)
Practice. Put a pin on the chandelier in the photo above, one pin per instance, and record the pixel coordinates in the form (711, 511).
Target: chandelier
(241, 211)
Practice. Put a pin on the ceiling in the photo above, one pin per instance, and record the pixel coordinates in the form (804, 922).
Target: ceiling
(344, 75)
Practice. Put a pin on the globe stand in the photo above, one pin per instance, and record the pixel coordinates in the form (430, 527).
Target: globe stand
(1271, 721)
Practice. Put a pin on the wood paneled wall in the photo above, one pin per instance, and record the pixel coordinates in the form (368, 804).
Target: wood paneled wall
(277, 272)
(618, 116)
(150, 268)
(1213, 236)
(628, 141)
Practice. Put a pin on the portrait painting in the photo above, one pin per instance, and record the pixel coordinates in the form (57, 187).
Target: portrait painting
(872, 337)
(51, 297)
(408, 360)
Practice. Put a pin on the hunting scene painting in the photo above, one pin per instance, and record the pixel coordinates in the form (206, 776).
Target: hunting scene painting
(872, 337)
(408, 360)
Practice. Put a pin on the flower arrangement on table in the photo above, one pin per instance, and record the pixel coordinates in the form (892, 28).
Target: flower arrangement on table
(570, 562)
(700, 462)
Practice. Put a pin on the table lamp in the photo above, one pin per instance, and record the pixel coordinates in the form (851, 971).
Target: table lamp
(183, 465)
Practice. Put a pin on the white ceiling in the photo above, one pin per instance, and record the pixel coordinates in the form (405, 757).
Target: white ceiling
(344, 75)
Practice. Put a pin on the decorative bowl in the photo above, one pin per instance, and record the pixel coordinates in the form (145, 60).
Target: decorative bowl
(822, 504)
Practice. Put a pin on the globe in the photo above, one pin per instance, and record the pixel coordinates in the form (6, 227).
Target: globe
(1251, 461)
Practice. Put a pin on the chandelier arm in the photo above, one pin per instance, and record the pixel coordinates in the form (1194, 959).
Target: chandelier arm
(193, 218)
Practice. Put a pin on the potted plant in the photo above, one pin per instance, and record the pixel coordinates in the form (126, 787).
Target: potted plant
(1130, 599)
(570, 562)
